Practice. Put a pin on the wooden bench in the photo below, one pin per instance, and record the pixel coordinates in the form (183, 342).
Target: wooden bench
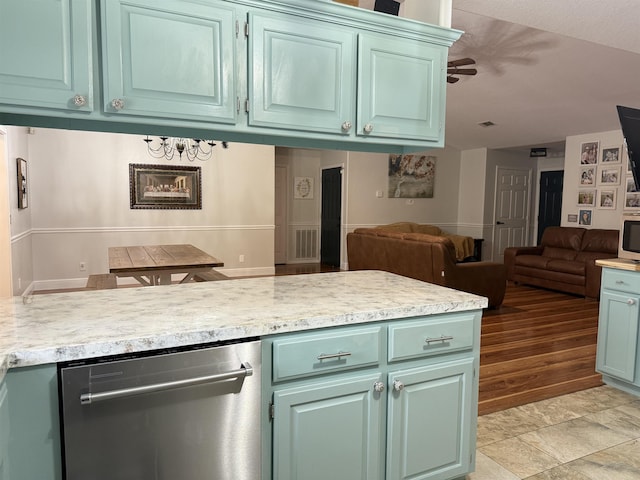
(210, 276)
(102, 281)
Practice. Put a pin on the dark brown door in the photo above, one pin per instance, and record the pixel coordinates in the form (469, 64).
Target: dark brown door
(550, 205)
(331, 216)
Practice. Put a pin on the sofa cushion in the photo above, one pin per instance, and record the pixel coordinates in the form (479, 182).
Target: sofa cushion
(600, 240)
(561, 253)
(425, 237)
(566, 266)
(563, 237)
(532, 261)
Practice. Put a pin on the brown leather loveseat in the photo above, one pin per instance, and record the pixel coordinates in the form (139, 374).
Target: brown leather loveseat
(564, 260)
(424, 257)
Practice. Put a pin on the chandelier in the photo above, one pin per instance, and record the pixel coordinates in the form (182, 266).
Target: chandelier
(192, 148)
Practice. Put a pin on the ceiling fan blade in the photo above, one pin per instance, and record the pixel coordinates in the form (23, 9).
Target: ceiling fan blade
(451, 79)
(462, 71)
(461, 62)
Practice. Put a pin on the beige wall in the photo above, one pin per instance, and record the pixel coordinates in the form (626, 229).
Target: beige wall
(79, 205)
(600, 218)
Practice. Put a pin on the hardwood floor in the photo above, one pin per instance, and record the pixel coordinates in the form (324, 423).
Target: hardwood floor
(538, 345)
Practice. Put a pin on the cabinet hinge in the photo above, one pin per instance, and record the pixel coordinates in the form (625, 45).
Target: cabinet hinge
(246, 29)
(272, 411)
(474, 372)
(237, 28)
(246, 105)
(238, 105)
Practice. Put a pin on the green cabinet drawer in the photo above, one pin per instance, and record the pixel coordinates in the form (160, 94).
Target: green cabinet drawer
(332, 351)
(432, 336)
(620, 280)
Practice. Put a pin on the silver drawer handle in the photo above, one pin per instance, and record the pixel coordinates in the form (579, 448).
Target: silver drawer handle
(327, 356)
(631, 301)
(442, 339)
(619, 282)
(246, 370)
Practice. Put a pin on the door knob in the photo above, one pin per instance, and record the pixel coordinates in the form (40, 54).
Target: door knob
(117, 103)
(346, 126)
(79, 100)
(378, 387)
(368, 128)
(631, 301)
(398, 386)
(499, 223)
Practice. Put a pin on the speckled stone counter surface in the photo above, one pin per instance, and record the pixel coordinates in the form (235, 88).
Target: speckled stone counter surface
(69, 326)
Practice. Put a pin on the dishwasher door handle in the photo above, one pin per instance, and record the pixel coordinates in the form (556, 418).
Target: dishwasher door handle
(246, 370)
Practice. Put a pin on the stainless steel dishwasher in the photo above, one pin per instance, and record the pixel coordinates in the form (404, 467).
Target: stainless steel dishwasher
(189, 415)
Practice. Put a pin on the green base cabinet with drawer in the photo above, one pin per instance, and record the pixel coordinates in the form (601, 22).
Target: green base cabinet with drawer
(4, 432)
(617, 355)
(391, 400)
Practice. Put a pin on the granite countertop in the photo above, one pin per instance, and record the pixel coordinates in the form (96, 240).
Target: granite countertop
(68, 326)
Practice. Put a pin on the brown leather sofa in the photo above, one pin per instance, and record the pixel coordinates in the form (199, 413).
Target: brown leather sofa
(564, 260)
(424, 257)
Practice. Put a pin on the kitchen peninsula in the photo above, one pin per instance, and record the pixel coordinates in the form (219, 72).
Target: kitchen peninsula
(424, 335)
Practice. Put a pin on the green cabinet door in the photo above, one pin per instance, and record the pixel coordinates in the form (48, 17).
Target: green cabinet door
(329, 430)
(617, 335)
(429, 421)
(171, 59)
(301, 74)
(401, 88)
(4, 432)
(46, 56)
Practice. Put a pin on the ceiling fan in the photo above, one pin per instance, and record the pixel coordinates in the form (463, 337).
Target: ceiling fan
(452, 69)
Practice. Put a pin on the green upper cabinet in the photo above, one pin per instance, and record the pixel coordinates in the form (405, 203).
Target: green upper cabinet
(401, 88)
(46, 57)
(302, 74)
(170, 59)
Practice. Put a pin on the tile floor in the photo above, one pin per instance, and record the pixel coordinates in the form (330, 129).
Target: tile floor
(589, 435)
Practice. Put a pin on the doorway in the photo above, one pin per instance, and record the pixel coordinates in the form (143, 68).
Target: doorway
(280, 216)
(511, 224)
(550, 202)
(331, 216)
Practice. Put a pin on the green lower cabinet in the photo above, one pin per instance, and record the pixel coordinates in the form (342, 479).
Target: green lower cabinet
(329, 430)
(430, 421)
(34, 432)
(4, 432)
(617, 347)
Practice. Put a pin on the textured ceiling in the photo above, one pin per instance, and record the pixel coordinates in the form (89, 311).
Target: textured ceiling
(546, 70)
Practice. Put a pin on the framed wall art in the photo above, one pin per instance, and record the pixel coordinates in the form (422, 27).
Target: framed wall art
(589, 153)
(607, 198)
(584, 217)
(609, 175)
(23, 183)
(587, 198)
(588, 176)
(611, 155)
(411, 176)
(303, 187)
(164, 187)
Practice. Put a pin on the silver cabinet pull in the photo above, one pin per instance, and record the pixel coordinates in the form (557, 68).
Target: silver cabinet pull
(246, 370)
(631, 301)
(441, 338)
(117, 103)
(368, 128)
(79, 100)
(346, 126)
(327, 356)
(619, 282)
(378, 387)
(398, 386)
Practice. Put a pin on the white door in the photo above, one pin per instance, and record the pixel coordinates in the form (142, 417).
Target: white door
(280, 240)
(511, 217)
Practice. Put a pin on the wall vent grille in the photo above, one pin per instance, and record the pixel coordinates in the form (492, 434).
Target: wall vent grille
(307, 244)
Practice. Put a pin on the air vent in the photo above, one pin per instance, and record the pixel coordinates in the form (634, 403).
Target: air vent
(488, 123)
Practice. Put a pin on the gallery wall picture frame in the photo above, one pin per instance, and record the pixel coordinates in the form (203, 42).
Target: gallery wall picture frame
(588, 175)
(609, 175)
(632, 201)
(631, 185)
(165, 187)
(303, 188)
(607, 198)
(589, 153)
(611, 155)
(587, 197)
(23, 183)
(584, 217)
